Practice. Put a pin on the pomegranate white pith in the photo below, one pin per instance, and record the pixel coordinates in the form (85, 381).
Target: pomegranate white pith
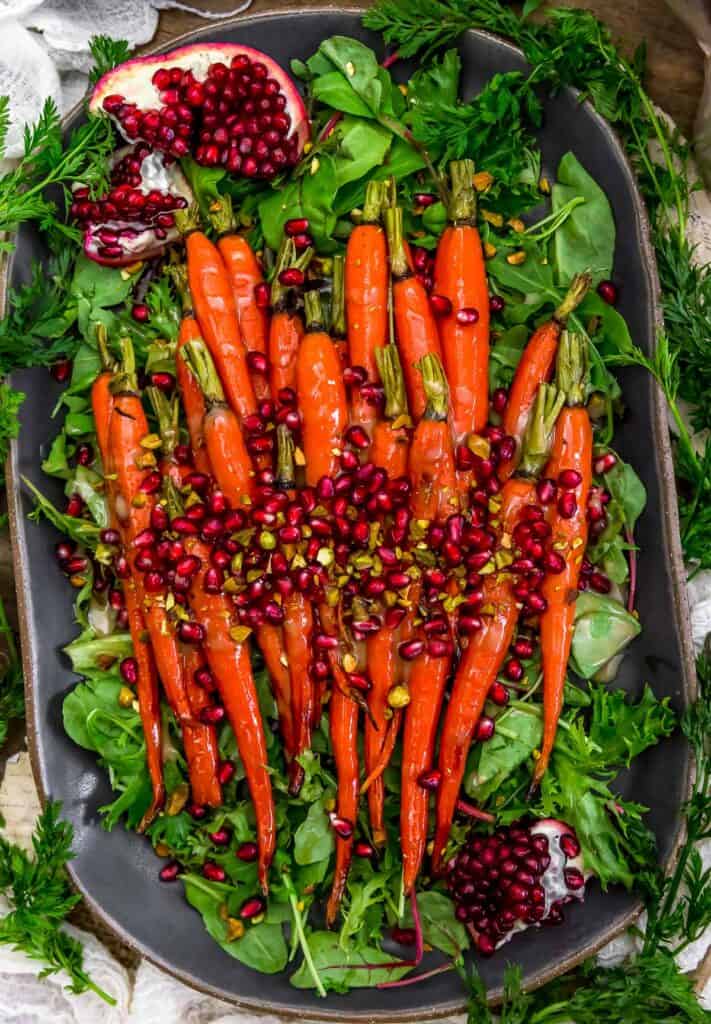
(135, 220)
(521, 876)
(224, 104)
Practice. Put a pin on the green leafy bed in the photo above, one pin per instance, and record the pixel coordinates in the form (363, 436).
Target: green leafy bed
(381, 131)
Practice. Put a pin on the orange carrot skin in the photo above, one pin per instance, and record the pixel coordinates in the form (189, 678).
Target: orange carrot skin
(322, 401)
(228, 455)
(417, 335)
(102, 403)
(285, 333)
(433, 472)
(216, 314)
(192, 396)
(245, 274)
(270, 640)
(200, 741)
(390, 448)
(298, 630)
(382, 669)
(366, 297)
(572, 449)
(426, 683)
(460, 276)
(343, 722)
(230, 664)
(477, 672)
(534, 368)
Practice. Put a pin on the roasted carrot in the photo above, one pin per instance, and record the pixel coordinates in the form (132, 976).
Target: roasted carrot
(215, 312)
(366, 296)
(487, 648)
(321, 394)
(298, 633)
(200, 741)
(431, 465)
(382, 669)
(460, 277)
(391, 441)
(415, 325)
(224, 442)
(343, 724)
(245, 274)
(228, 657)
(426, 683)
(286, 328)
(190, 393)
(127, 426)
(270, 640)
(535, 367)
(572, 451)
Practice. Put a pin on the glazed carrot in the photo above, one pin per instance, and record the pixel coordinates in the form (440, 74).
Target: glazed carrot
(270, 640)
(535, 367)
(200, 741)
(343, 724)
(286, 328)
(229, 661)
(390, 445)
(415, 325)
(321, 394)
(431, 465)
(190, 393)
(216, 314)
(460, 276)
(382, 669)
(426, 683)
(366, 296)
(127, 425)
(298, 632)
(572, 451)
(224, 443)
(245, 274)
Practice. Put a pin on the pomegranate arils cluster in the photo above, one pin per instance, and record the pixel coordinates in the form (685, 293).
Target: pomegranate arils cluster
(520, 876)
(224, 105)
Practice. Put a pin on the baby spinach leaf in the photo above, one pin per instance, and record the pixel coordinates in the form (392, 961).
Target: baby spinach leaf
(84, 484)
(517, 735)
(612, 335)
(533, 278)
(505, 356)
(627, 490)
(603, 628)
(336, 965)
(586, 240)
(87, 653)
(335, 91)
(363, 146)
(57, 462)
(440, 928)
(313, 839)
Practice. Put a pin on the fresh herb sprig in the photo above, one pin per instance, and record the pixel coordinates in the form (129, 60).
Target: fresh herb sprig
(40, 898)
(12, 693)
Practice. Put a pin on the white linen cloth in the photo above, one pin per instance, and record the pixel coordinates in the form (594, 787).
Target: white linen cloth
(44, 52)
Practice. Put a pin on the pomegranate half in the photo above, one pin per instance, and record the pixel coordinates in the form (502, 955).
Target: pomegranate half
(135, 220)
(224, 104)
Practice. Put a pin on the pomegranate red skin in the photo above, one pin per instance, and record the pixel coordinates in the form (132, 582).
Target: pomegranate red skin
(133, 82)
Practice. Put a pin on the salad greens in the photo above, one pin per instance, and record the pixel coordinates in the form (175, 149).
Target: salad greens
(366, 127)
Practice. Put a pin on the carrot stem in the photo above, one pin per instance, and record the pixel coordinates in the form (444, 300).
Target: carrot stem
(538, 438)
(338, 298)
(387, 358)
(577, 291)
(394, 231)
(435, 385)
(203, 368)
(572, 367)
(462, 203)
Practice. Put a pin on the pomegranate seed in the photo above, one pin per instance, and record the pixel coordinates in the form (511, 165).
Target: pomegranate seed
(430, 780)
(599, 582)
(574, 879)
(605, 463)
(213, 871)
(411, 649)
(569, 845)
(468, 624)
(191, 632)
(225, 772)
(536, 603)
(363, 849)
(513, 670)
(523, 647)
(499, 695)
(257, 363)
(252, 907)
(170, 872)
(183, 455)
(64, 550)
(496, 304)
(546, 491)
(204, 678)
(109, 536)
(163, 381)
(569, 479)
(75, 506)
(297, 226)
(212, 715)
(441, 305)
(247, 852)
(554, 562)
(151, 483)
(141, 313)
(357, 437)
(291, 277)
(485, 729)
(393, 617)
(61, 370)
(467, 315)
(220, 838)
(567, 505)
(607, 291)
(262, 295)
(129, 671)
(341, 826)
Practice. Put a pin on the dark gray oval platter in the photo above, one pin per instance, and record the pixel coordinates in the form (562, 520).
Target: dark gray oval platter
(117, 872)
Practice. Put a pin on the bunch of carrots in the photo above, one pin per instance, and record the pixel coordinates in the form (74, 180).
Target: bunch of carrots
(394, 382)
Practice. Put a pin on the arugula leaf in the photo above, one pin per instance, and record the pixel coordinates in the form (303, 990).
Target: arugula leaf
(586, 239)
